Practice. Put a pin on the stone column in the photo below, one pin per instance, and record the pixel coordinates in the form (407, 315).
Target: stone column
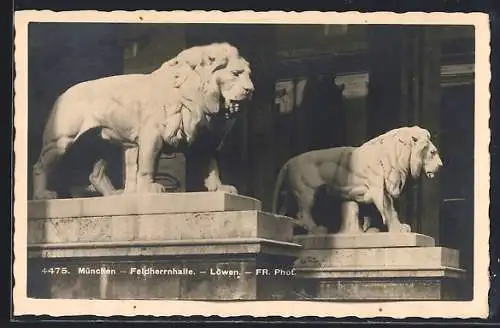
(405, 90)
(262, 117)
(355, 91)
(430, 113)
(385, 97)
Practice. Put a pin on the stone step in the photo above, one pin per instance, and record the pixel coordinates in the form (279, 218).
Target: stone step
(381, 272)
(210, 230)
(379, 258)
(154, 228)
(226, 277)
(161, 248)
(388, 289)
(376, 266)
(135, 204)
(364, 240)
(196, 232)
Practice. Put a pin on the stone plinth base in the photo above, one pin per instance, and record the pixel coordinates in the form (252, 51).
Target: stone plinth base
(196, 246)
(376, 266)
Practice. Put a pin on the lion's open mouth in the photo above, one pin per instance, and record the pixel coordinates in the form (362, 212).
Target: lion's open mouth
(430, 175)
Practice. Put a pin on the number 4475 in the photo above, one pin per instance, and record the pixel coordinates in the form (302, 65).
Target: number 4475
(55, 270)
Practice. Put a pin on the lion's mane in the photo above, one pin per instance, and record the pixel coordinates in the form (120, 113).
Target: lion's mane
(396, 155)
(189, 80)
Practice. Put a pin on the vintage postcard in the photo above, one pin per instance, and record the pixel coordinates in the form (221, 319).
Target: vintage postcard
(251, 163)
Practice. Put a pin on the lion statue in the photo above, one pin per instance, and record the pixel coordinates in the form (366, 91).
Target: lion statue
(200, 90)
(373, 173)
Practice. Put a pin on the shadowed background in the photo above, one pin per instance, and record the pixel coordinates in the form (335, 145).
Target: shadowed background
(316, 86)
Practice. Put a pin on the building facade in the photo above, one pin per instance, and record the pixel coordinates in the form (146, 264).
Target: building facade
(317, 86)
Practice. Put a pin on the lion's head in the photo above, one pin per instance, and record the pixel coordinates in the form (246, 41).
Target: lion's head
(424, 154)
(413, 148)
(213, 76)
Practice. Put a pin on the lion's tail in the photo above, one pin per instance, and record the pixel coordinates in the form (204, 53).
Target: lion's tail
(278, 188)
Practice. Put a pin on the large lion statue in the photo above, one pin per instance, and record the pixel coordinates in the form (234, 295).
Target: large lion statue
(199, 90)
(373, 173)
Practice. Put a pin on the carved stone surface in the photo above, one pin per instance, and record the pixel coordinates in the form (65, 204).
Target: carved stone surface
(391, 289)
(134, 204)
(177, 233)
(371, 240)
(393, 258)
(202, 284)
(374, 173)
(216, 241)
(200, 90)
(160, 227)
(365, 267)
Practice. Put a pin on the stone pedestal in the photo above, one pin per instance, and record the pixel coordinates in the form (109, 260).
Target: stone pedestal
(376, 266)
(196, 246)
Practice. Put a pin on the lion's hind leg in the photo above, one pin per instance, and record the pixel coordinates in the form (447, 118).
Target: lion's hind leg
(58, 138)
(51, 152)
(305, 220)
(305, 196)
(100, 181)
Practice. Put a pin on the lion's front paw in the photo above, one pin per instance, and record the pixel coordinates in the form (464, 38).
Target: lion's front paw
(400, 227)
(45, 194)
(405, 228)
(227, 189)
(312, 228)
(152, 187)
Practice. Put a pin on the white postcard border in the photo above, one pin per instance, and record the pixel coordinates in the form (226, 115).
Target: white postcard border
(478, 307)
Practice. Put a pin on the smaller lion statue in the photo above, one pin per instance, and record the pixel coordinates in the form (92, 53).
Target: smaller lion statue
(373, 173)
(193, 95)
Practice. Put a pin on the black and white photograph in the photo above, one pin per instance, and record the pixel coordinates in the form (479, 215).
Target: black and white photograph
(226, 163)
